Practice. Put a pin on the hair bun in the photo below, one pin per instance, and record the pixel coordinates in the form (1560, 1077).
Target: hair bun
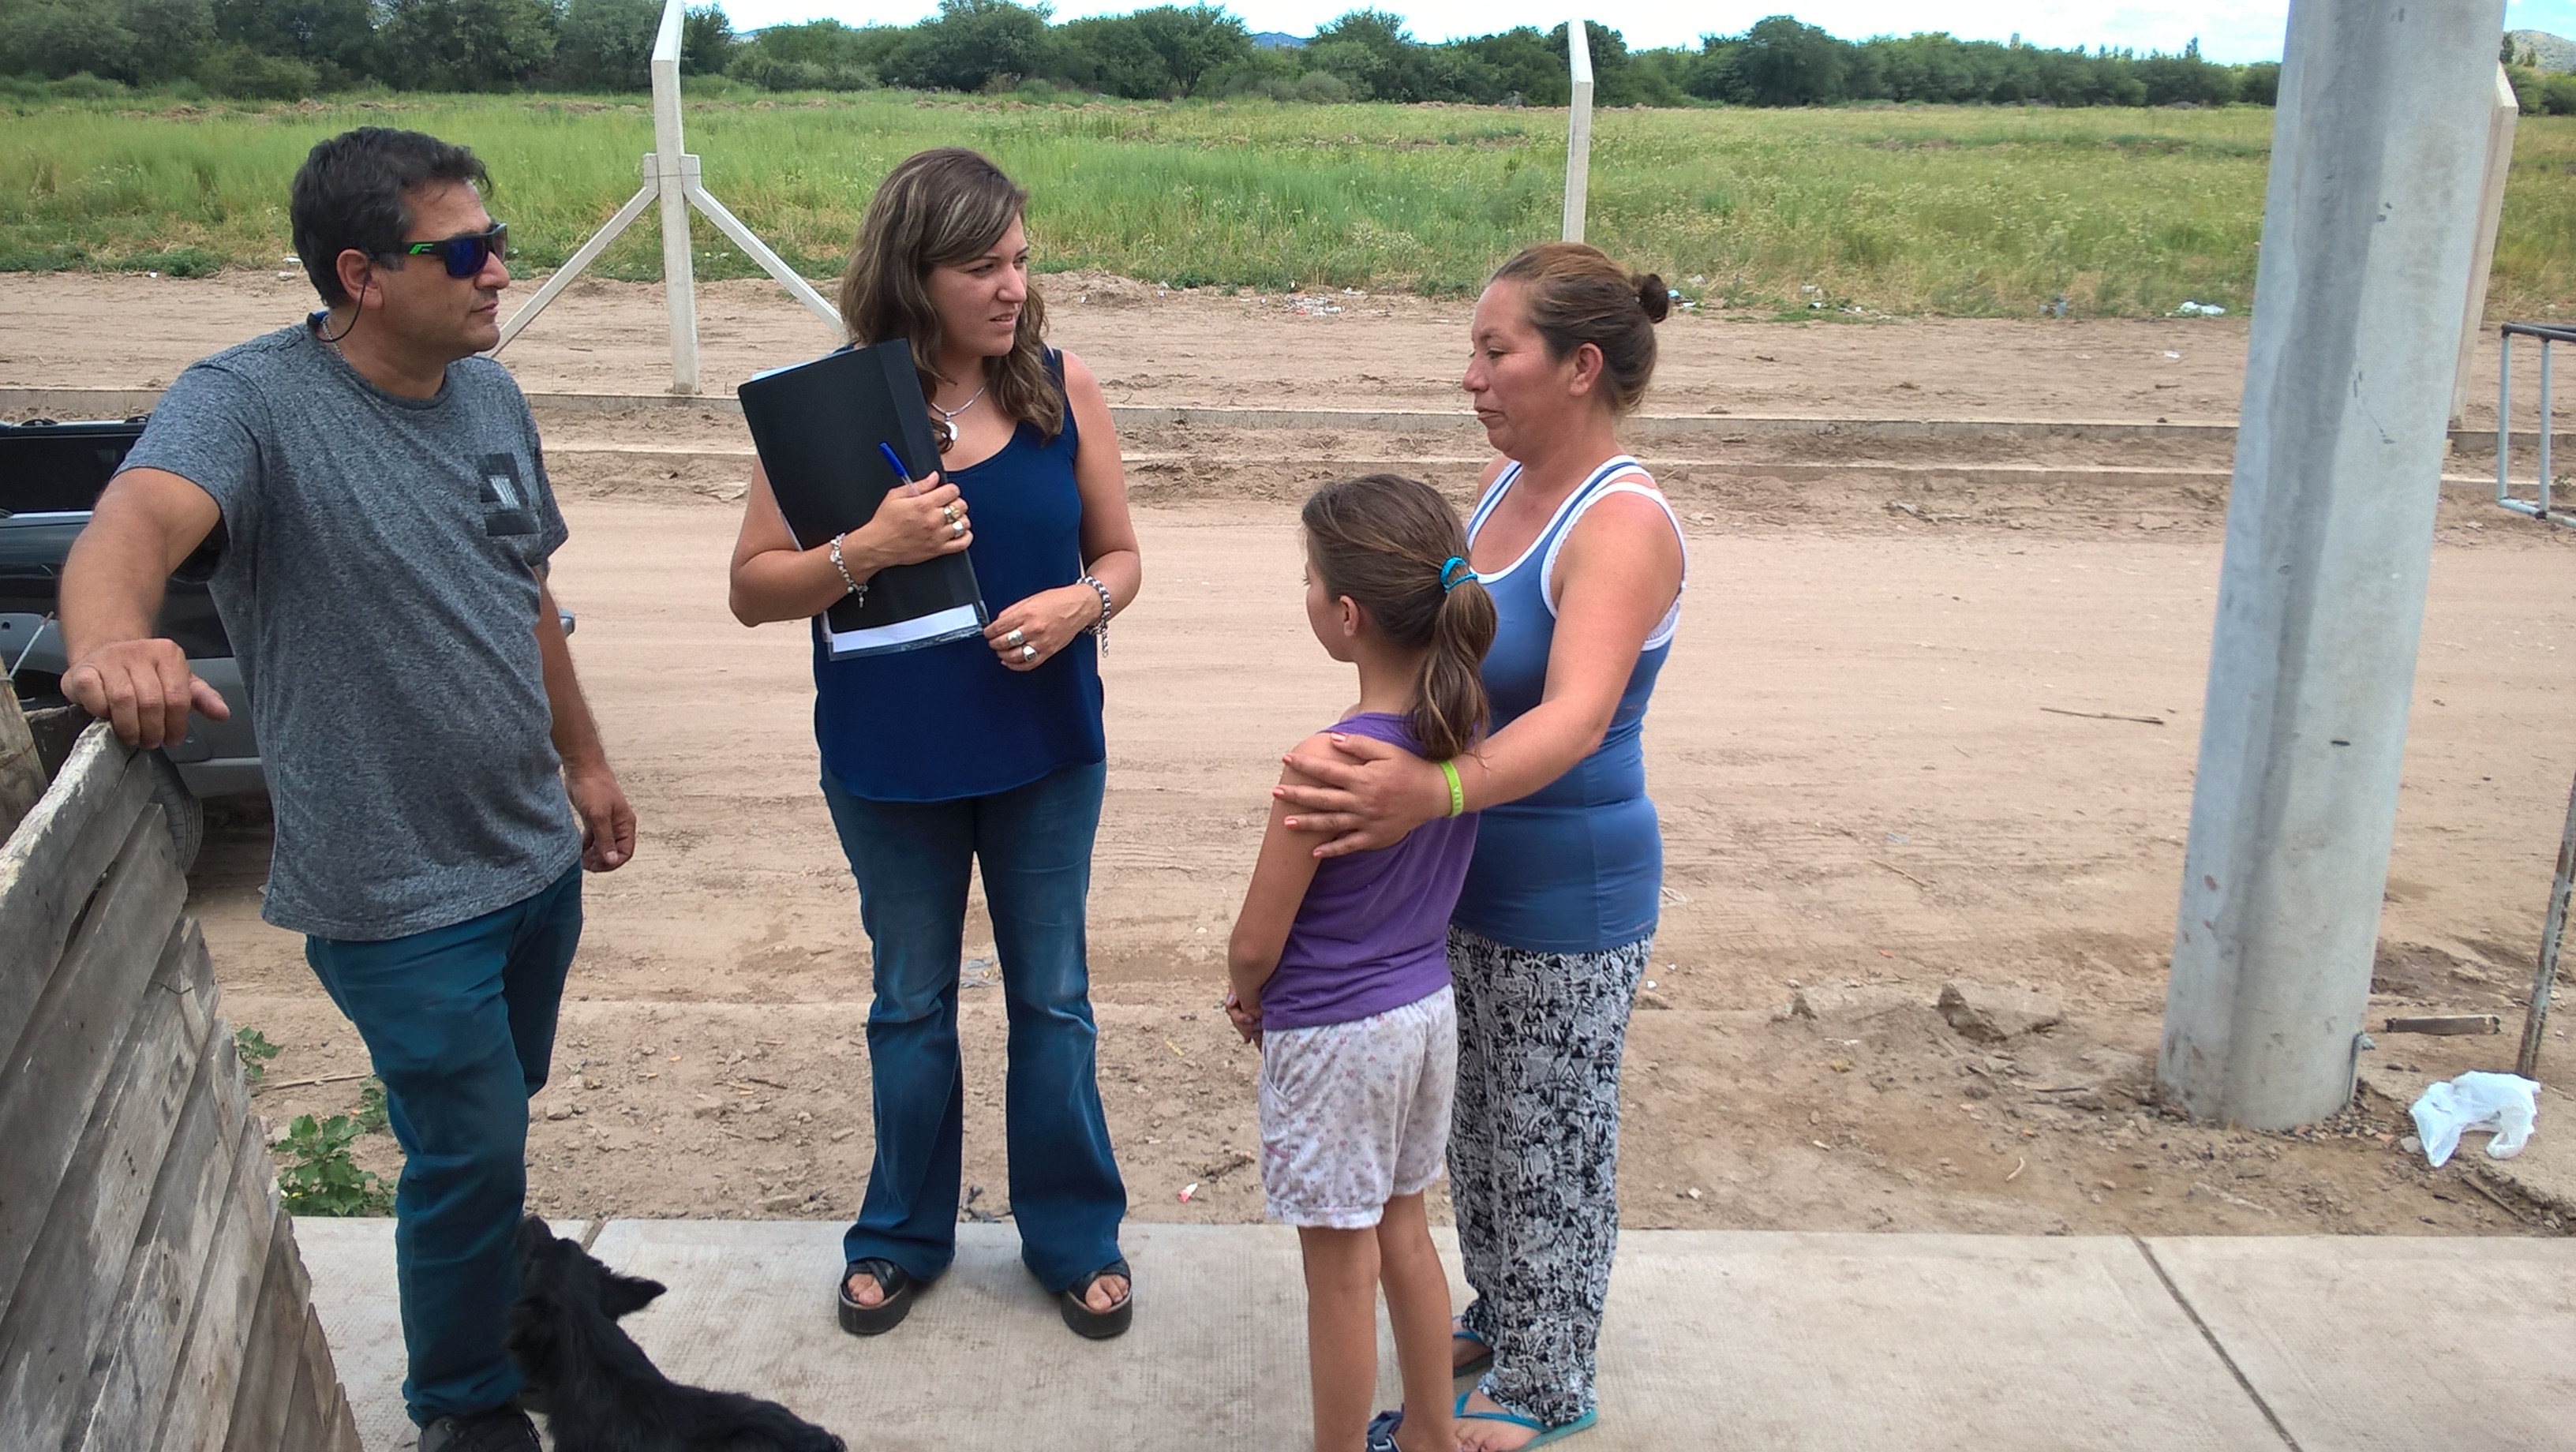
(1654, 297)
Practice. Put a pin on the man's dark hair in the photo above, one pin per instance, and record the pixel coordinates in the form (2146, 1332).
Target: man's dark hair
(349, 196)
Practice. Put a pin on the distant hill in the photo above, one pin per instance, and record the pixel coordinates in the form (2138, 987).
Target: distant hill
(2554, 52)
(1282, 40)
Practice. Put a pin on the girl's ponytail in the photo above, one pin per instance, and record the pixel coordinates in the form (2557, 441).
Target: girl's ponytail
(1395, 546)
(1449, 705)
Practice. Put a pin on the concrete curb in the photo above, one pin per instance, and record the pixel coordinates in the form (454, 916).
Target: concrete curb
(1769, 1339)
(2101, 476)
(90, 403)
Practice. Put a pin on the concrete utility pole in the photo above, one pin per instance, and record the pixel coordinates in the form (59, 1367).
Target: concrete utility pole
(1578, 127)
(2378, 150)
(2507, 110)
(671, 177)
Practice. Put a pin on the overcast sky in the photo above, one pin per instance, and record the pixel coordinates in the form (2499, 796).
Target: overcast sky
(2242, 31)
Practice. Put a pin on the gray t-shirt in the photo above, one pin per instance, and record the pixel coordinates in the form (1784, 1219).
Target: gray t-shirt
(379, 581)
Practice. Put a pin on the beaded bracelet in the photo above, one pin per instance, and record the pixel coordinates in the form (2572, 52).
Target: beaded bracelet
(1100, 627)
(857, 587)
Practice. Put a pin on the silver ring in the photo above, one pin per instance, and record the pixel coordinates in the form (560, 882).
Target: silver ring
(956, 529)
(1016, 638)
(1028, 653)
(948, 512)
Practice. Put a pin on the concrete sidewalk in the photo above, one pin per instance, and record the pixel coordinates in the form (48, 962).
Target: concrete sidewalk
(1715, 1339)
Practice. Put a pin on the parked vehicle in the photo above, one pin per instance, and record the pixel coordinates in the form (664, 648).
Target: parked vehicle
(50, 476)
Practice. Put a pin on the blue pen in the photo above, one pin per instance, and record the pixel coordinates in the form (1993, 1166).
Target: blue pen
(895, 462)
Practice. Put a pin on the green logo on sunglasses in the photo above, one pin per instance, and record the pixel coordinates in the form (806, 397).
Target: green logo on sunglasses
(464, 256)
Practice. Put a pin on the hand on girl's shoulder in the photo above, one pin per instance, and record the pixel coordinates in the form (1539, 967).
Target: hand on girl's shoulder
(1318, 747)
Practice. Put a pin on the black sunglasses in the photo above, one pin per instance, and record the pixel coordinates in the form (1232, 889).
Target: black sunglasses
(464, 256)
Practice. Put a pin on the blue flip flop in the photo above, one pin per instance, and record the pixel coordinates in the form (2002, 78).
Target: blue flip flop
(1476, 1365)
(1546, 1433)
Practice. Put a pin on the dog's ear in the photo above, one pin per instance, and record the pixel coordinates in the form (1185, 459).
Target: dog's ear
(619, 1295)
(534, 1236)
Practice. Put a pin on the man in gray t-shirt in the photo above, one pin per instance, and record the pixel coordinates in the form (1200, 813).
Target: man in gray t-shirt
(384, 525)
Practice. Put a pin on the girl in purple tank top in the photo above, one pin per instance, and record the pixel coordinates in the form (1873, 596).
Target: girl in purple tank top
(1340, 972)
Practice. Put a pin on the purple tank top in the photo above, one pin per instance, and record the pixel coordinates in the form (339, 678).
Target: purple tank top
(1373, 931)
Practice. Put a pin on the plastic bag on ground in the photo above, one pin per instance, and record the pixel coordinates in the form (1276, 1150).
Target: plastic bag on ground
(2504, 1103)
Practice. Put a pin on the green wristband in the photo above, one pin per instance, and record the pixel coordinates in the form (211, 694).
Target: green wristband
(1457, 793)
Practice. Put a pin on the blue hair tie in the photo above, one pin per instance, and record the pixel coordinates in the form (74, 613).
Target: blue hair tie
(1454, 562)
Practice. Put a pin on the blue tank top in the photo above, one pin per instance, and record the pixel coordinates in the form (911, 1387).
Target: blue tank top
(947, 721)
(1578, 865)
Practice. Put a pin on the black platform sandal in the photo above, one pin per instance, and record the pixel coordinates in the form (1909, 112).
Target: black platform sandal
(1099, 1325)
(885, 1315)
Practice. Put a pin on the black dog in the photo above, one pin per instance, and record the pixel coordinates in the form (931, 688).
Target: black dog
(599, 1391)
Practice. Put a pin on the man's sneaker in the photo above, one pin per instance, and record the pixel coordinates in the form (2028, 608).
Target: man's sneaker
(503, 1429)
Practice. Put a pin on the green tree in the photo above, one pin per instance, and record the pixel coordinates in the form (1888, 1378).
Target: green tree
(607, 45)
(970, 44)
(463, 45)
(52, 39)
(1526, 62)
(1364, 49)
(1192, 40)
(1613, 78)
(331, 36)
(1108, 53)
(1163, 52)
(822, 55)
(2259, 84)
(1781, 62)
(170, 37)
(707, 42)
(231, 68)
(2186, 79)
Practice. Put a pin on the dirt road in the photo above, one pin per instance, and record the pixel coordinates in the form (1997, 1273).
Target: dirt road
(1892, 749)
(1151, 347)
(1859, 784)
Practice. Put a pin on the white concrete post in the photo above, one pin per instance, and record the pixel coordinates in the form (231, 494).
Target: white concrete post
(671, 177)
(679, 274)
(1578, 128)
(2490, 220)
(2378, 148)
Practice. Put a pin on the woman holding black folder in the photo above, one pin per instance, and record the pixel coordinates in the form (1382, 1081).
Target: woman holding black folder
(984, 752)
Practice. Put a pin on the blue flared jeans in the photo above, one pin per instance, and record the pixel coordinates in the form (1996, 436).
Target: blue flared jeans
(1033, 846)
(460, 1023)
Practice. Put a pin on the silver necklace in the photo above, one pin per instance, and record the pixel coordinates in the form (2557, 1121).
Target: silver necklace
(946, 428)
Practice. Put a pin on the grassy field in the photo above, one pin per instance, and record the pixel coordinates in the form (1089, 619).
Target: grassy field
(1903, 210)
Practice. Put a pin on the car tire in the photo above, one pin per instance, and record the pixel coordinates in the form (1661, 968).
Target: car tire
(185, 813)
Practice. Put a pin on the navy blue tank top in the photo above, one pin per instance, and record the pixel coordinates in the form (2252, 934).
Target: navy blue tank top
(947, 721)
(1578, 865)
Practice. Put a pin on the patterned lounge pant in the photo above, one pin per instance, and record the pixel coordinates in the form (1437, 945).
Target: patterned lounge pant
(1534, 1157)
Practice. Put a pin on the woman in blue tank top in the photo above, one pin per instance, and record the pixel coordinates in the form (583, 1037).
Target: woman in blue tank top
(981, 754)
(1584, 561)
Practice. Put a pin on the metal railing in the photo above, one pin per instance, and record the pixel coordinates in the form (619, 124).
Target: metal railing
(2538, 508)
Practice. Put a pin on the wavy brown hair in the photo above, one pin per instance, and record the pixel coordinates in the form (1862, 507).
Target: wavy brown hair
(943, 207)
(1577, 295)
(1384, 540)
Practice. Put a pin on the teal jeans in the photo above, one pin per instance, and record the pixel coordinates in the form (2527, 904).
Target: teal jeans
(460, 1023)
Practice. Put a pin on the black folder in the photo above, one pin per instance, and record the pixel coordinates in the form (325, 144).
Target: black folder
(817, 426)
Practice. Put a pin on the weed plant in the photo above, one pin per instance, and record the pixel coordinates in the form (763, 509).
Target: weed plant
(254, 1050)
(320, 1178)
(372, 1116)
(1899, 210)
